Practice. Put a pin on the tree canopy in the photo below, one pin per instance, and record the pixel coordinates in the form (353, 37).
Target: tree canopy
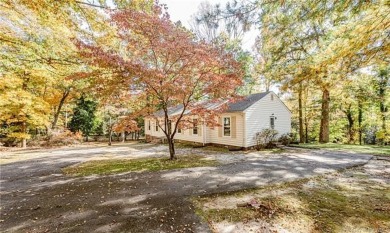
(328, 59)
(164, 67)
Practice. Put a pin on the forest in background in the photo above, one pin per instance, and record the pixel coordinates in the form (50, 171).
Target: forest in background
(328, 60)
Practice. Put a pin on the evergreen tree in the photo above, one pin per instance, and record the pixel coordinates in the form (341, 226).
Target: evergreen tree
(83, 116)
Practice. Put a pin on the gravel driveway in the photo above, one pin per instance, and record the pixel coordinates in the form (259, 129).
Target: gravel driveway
(37, 197)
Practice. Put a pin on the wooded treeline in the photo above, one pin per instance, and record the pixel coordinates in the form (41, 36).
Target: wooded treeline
(62, 62)
(41, 67)
(329, 60)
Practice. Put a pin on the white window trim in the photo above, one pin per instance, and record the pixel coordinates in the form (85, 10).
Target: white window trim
(197, 127)
(230, 127)
(156, 127)
(270, 125)
(149, 126)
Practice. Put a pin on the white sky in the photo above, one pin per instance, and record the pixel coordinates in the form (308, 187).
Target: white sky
(183, 10)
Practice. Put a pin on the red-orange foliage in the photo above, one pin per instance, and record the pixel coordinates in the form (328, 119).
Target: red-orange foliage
(126, 124)
(163, 65)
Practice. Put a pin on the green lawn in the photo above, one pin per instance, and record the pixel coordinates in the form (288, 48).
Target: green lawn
(113, 166)
(369, 149)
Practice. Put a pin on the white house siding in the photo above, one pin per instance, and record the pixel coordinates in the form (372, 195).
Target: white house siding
(258, 115)
(184, 135)
(188, 136)
(238, 140)
(208, 135)
(152, 130)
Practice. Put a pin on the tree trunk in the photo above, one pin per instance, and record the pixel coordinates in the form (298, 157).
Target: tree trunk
(58, 110)
(110, 132)
(24, 131)
(383, 84)
(324, 127)
(360, 120)
(168, 127)
(306, 120)
(123, 136)
(86, 138)
(300, 110)
(172, 155)
(351, 137)
(110, 137)
(306, 131)
(351, 121)
(383, 114)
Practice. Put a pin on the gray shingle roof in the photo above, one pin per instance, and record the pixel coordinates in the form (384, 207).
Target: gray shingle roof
(171, 111)
(238, 106)
(245, 103)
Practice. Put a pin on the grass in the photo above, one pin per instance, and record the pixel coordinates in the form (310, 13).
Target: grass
(216, 149)
(207, 148)
(299, 207)
(276, 150)
(369, 149)
(106, 167)
(183, 145)
(240, 214)
(332, 208)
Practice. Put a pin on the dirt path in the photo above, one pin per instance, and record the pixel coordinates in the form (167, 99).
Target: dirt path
(36, 197)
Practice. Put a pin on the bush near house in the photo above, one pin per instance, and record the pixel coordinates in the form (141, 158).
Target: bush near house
(266, 138)
(286, 139)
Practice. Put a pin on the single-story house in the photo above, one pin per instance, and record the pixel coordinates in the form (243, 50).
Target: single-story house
(239, 123)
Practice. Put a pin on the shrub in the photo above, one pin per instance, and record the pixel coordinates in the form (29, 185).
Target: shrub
(265, 139)
(64, 138)
(286, 139)
(370, 135)
(9, 142)
(61, 138)
(382, 138)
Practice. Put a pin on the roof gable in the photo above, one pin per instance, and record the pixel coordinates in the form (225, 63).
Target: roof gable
(248, 101)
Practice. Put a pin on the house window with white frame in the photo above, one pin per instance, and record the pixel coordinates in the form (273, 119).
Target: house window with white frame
(149, 125)
(272, 122)
(226, 126)
(156, 126)
(195, 126)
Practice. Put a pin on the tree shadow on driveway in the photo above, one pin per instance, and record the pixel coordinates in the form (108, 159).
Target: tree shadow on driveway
(41, 199)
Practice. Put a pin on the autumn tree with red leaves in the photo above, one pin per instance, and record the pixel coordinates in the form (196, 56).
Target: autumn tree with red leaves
(163, 66)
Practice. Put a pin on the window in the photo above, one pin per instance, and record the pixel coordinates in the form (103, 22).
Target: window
(195, 126)
(272, 122)
(156, 126)
(179, 126)
(226, 126)
(149, 125)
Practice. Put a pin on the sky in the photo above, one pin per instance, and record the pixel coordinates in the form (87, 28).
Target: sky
(183, 10)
